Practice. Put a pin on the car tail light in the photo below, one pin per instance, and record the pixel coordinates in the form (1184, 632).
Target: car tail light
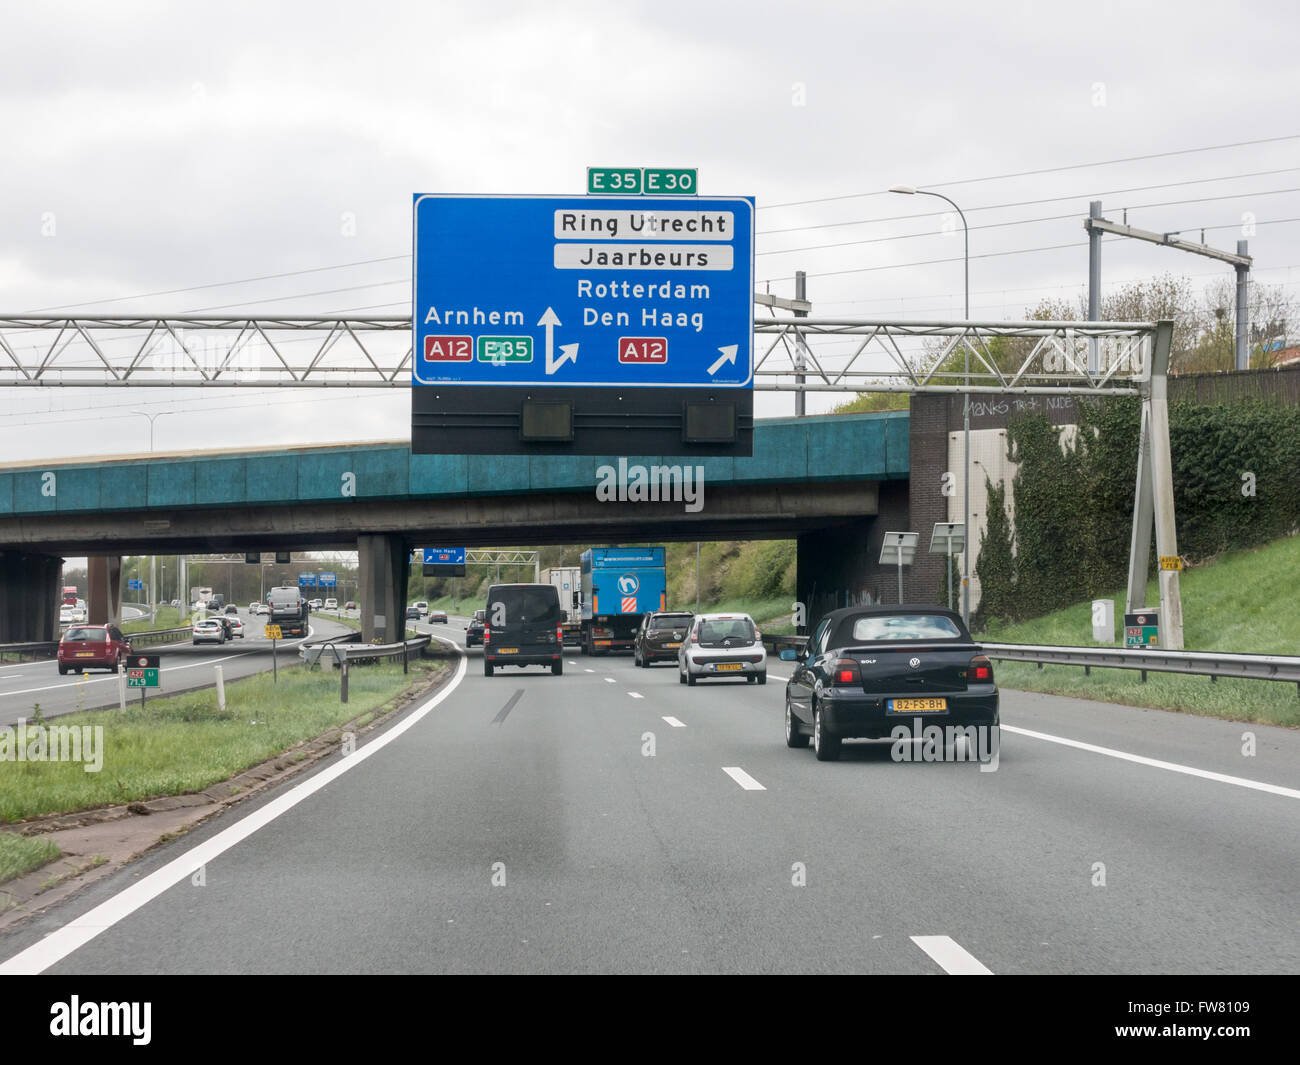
(559, 633)
(980, 669)
(487, 632)
(846, 671)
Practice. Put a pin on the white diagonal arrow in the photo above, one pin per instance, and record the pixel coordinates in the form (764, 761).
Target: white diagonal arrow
(568, 352)
(728, 355)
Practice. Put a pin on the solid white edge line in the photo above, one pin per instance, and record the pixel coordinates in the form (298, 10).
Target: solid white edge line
(1173, 767)
(951, 956)
(636, 695)
(675, 723)
(737, 774)
(77, 933)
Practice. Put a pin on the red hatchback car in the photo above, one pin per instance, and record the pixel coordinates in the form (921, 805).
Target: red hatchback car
(92, 647)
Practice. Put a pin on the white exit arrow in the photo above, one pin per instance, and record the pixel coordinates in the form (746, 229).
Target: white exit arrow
(728, 355)
(568, 352)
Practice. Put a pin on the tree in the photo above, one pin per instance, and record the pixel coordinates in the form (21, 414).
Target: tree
(996, 565)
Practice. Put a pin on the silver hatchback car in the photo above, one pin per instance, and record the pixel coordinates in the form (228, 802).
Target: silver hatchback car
(722, 645)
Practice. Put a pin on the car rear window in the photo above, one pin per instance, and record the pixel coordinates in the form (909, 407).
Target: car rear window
(88, 635)
(526, 603)
(726, 629)
(905, 627)
(670, 621)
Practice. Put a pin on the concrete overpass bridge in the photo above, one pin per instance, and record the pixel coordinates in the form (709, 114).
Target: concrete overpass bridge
(834, 483)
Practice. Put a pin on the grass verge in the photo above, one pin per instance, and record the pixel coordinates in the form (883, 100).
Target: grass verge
(20, 854)
(168, 618)
(1243, 602)
(184, 743)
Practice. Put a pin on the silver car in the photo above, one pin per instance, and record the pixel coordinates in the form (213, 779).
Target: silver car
(722, 645)
(209, 630)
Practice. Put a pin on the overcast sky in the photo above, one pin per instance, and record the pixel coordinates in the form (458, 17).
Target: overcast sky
(153, 147)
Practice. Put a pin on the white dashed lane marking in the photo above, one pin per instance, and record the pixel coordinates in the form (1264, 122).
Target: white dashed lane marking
(675, 723)
(951, 956)
(742, 778)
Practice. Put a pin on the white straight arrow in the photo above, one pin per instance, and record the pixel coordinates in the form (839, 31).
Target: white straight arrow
(568, 352)
(728, 355)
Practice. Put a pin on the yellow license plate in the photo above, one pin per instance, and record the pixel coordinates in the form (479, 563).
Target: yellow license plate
(729, 667)
(919, 706)
(509, 650)
(85, 654)
(671, 646)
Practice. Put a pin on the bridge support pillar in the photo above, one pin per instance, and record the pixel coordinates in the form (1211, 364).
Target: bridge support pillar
(383, 563)
(839, 565)
(29, 597)
(104, 597)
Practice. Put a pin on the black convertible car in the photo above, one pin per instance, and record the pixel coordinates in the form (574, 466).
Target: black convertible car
(868, 670)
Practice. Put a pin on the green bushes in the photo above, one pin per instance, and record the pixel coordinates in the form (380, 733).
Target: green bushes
(1236, 485)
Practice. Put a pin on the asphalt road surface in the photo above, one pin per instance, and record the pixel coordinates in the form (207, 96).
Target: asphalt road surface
(612, 820)
(184, 666)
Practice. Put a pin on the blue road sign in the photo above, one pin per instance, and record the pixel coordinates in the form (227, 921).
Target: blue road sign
(327, 580)
(604, 291)
(444, 556)
(307, 580)
(135, 585)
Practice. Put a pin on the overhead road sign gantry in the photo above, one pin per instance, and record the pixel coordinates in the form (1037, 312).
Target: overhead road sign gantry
(579, 311)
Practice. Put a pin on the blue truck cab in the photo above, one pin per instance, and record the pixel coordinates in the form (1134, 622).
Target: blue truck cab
(619, 585)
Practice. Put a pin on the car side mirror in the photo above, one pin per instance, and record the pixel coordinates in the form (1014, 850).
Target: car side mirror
(789, 655)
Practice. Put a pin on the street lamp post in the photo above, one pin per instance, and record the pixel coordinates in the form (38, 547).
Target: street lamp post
(908, 190)
(153, 559)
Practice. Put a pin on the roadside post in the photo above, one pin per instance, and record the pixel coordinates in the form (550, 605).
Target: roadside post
(273, 633)
(899, 549)
(948, 537)
(221, 690)
(121, 688)
(142, 673)
(1103, 620)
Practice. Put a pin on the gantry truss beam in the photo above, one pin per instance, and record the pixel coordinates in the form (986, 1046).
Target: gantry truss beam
(790, 354)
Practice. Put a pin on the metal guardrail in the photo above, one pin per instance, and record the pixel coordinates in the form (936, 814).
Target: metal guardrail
(40, 648)
(776, 642)
(1212, 664)
(345, 651)
(158, 635)
(311, 652)
(49, 648)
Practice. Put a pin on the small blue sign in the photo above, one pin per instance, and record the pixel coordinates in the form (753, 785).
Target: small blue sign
(603, 291)
(444, 556)
(135, 585)
(327, 580)
(307, 580)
